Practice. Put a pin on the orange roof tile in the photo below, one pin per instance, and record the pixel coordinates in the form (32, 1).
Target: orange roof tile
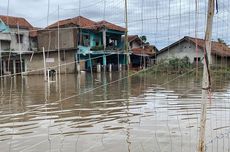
(15, 21)
(86, 23)
(146, 50)
(109, 25)
(77, 21)
(217, 48)
(34, 32)
(132, 37)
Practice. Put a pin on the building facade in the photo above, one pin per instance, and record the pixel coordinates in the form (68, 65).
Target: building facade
(14, 41)
(94, 42)
(194, 49)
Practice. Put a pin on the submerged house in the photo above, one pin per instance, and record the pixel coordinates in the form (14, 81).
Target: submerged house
(194, 49)
(142, 54)
(15, 40)
(91, 42)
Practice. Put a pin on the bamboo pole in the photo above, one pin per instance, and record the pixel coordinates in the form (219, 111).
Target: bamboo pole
(19, 49)
(206, 76)
(44, 62)
(126, 34)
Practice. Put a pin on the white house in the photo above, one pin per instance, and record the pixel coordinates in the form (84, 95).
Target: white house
(14, 39)
(194, 49)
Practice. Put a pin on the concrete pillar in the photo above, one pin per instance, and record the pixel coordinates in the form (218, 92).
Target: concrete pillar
(110, 67)
(119, 67)
(78, 67)
(98, 77)
(98, 68)
(25, 67)
(4, 67)
(14, 67)
(104, 38)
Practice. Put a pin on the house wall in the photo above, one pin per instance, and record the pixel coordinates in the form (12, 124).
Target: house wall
(220, 61)
(134, 44)
(33, 43)
(181, 50)
(67, 57)
(49, 39)
(24, 45)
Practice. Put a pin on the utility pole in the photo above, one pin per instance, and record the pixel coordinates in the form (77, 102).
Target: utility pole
(206, 84)
(126, 34)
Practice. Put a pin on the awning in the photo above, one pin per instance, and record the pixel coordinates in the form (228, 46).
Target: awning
(5, 36)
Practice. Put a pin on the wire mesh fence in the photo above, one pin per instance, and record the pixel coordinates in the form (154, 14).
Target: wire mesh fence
(155, 109)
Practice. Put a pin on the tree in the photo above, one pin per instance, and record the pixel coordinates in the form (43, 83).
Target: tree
(143, 38)
(221, 41)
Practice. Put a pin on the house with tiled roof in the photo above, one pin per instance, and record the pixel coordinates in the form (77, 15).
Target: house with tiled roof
(19, 29)
(142, 54)
(15, 38)
(90, 39)
(193, 48)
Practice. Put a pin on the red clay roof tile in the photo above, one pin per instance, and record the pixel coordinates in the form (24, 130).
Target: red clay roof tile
(77, 21)
(86, 23)
(15, 21)
(109, 25)
(217, 48)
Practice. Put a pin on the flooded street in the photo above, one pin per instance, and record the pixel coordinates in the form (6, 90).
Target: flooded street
(147, 112)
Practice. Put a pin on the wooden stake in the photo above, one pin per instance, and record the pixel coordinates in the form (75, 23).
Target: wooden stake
(126, 34)
(44, 62)
(206, 76)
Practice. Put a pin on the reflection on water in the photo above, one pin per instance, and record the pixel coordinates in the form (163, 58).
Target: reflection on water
(131, 115)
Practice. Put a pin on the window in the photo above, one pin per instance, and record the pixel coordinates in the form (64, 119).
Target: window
(195, 59)
(85, 40)
(19, 38)
(113, 42)
(96, 41)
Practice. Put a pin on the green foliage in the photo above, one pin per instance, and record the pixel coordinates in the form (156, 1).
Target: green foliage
(143, 38)
(175, 65)
(221, 41)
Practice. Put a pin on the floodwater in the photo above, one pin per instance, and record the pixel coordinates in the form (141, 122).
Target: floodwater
(147, 112)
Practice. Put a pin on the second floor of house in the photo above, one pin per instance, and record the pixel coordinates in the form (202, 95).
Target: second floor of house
(82, 34)
(15, 35)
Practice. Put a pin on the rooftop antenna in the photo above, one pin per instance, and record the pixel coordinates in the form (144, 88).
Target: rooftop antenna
(206, 84)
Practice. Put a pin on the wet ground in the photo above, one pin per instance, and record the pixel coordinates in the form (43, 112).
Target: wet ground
(147, 112)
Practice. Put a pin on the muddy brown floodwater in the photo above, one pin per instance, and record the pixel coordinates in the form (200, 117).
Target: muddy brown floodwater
(148, 112)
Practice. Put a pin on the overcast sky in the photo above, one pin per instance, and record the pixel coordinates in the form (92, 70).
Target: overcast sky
(162, 21)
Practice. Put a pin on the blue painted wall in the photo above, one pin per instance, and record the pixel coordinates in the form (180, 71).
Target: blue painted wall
(3, 27)
(98, 36)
